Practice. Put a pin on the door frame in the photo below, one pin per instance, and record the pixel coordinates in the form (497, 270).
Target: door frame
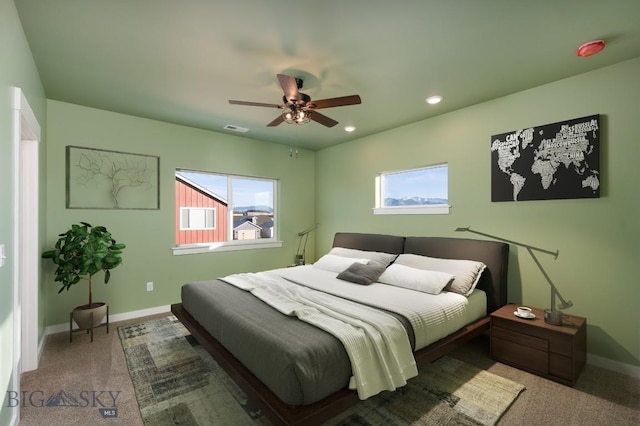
(26, 263)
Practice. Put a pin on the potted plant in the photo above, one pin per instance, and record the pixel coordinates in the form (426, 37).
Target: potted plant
(80, 253)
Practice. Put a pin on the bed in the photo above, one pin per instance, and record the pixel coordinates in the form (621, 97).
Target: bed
(301, 375)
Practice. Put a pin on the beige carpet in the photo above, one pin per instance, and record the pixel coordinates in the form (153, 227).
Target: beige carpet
(601, 397)
(177, 382)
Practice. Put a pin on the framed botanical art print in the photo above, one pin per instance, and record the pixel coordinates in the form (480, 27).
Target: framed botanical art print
(102, 179)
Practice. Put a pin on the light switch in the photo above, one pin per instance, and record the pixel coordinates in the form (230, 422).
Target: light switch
(2, 256)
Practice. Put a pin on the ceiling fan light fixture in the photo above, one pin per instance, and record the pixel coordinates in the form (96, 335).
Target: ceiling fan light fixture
(432, 100)
(296, 116)
(349, 128)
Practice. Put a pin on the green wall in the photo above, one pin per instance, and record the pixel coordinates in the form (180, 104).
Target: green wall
(598, 239)
(149, 234)
(16, 69)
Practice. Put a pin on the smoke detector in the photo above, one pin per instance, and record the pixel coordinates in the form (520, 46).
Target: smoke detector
(590, 48)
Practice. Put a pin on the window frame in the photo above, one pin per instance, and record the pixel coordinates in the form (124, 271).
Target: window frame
(232, 245)
(426, 209)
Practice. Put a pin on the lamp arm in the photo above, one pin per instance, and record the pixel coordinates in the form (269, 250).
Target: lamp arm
(527, 246)
(554, 290)
(309, 229)
(304, 247)
(299, 244)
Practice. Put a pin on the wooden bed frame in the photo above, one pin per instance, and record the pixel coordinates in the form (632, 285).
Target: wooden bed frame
(493, 282)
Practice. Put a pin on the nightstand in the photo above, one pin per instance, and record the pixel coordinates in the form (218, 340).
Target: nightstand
(555, 352)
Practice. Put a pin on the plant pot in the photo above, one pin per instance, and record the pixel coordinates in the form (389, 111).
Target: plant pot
(82, 315)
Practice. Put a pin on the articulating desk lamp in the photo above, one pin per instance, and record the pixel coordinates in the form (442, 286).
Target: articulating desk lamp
(300, 259)
(554, 314)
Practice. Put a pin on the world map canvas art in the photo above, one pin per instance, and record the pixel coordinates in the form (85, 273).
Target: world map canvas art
(553, 161)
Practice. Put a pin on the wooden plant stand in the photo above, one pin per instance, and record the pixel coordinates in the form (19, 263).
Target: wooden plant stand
(89, 330)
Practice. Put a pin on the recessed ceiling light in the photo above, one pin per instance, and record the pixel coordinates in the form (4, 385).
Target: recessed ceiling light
(349, 128)
(434, 100)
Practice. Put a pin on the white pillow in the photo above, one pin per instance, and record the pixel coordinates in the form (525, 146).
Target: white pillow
(331, 262)
(431, 282)
(379, 257)
(466, 272)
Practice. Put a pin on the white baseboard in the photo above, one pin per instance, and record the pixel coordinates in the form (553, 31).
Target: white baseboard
(43, 340)
(59, 328)
(617, 366)
(598, 361)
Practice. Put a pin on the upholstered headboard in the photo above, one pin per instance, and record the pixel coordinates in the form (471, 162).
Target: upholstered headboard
(371, 242)
(492, 253)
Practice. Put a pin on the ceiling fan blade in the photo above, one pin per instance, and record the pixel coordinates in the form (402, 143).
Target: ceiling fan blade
(335, 102)
(322, 119)
(260, 104)
(289, 87)
(275, 122)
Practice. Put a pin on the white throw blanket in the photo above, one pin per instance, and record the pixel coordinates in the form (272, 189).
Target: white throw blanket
(376, 342)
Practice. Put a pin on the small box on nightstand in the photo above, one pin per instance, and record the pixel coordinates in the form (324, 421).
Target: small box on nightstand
(556, 352)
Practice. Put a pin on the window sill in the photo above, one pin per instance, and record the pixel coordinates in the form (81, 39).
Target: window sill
(435, 209)
(228, 246)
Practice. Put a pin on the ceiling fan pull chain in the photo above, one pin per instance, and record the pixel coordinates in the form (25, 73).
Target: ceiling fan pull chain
(291, 152)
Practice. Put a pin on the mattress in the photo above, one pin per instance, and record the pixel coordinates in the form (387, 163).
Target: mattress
(300, 363)
(432, 317)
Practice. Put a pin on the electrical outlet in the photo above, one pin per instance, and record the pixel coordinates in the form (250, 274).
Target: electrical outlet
(150, 286)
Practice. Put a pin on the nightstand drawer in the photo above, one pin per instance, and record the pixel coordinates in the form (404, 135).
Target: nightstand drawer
(557, 342)
(517, 326)
(561, 366)
(560, 345)
(521, 339)
(525, 357)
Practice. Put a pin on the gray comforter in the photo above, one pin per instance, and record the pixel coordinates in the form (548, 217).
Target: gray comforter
(300, 363)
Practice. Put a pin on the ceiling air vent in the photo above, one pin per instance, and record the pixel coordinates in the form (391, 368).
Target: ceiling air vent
(236, 128)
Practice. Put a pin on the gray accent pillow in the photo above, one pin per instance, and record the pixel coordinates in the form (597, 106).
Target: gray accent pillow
(360, 273)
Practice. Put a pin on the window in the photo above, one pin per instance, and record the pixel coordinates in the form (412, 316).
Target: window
(197, 218)
(223, 212)
(415, 191)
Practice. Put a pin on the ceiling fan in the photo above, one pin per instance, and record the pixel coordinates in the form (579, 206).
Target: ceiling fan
(298, 107)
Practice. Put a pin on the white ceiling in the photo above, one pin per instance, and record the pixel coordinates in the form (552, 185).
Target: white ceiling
(181, 61)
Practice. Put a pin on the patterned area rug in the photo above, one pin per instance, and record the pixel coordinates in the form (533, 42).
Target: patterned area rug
(177, 383)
